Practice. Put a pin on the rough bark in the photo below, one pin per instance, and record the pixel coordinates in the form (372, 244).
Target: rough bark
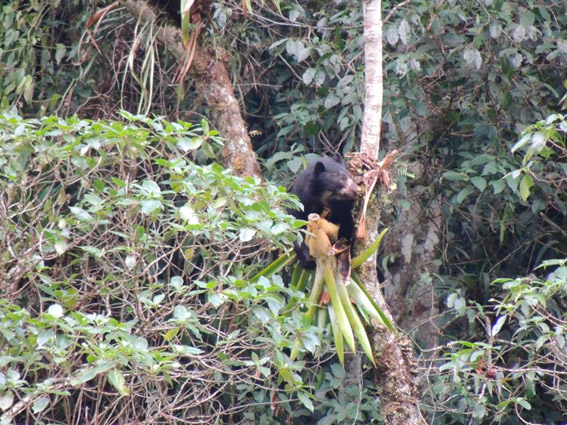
(213, 83)
(395, 368)
(395, 372)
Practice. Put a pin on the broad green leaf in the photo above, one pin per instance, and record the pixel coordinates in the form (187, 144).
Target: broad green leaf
(303, 54)
(171, 334)
(150, 205)
(305, 400)
(392, 35)
(187, 213)
(454, 176)
(279, 228)
(116, 378)
(320, 77)
(472, 58)
(404, 31)
(308, 76)
(522, 142)
(40, 404)
(247, 233)
(498, 325)
(60, 50)
(216, 299)
(463, 194)
(176, 282)
(525, 185)
(181, 313)
(479, 411)
(524, 403)
(55, 310)
(519, 34)
(261, 313)
(6, 400)
(498, 185)
(338, 370)
(479, 182)
(45, 337)
(331, 100)
(527, 18)
(88, 373)
(186, 144)
(60, 247)
(151, 188)
(94, 251)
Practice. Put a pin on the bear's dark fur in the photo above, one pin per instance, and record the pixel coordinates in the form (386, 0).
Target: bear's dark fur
(326, 183)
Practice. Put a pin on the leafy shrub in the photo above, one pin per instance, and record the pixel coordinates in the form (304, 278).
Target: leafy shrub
(118, 254)
(512, 368)
(514, 371)
(129, 261)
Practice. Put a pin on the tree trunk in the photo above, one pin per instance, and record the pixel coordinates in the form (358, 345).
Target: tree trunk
(213, 83)
(395, 367)
(408, 287)
(373, 81)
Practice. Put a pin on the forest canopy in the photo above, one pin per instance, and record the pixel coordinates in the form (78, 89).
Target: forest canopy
(145, 153)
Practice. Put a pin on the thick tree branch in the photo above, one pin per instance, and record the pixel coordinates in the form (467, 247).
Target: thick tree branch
(213, 83)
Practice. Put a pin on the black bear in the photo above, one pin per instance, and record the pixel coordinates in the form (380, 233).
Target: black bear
(326, 183)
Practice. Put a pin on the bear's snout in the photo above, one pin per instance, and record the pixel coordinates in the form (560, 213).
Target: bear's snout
(351, 191)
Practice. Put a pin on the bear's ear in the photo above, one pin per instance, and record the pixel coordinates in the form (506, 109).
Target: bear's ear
(319, 168)
(337, 157)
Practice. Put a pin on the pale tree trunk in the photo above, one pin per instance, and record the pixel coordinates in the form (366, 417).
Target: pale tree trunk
(373, 81)
(395, 367)
(213, 83)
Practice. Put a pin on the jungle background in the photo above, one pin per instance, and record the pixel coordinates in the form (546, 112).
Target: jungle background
(130, 254)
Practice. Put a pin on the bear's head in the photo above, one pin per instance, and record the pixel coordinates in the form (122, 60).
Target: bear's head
(334, 181)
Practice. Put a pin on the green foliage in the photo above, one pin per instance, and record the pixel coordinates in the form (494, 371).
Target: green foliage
(544, 145)
(516, 370)
(496, 70)
(462, 81)
(62, 57)
(133, 275)
(36, 52)
(515, 365)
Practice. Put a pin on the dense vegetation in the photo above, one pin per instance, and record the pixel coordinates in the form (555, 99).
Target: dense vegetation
(128, 254)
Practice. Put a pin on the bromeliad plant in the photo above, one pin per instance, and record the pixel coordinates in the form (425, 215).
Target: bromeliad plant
(341, 289)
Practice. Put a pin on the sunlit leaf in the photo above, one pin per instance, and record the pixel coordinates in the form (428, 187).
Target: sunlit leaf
(186, 144)
(6, 400)
(40, 404)
(305, 400)
(55, 310)
(187, 213)
(308, 76)
(150, 205)
(498, 325)
(525, 186)
(116, 378)
(246, 234)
